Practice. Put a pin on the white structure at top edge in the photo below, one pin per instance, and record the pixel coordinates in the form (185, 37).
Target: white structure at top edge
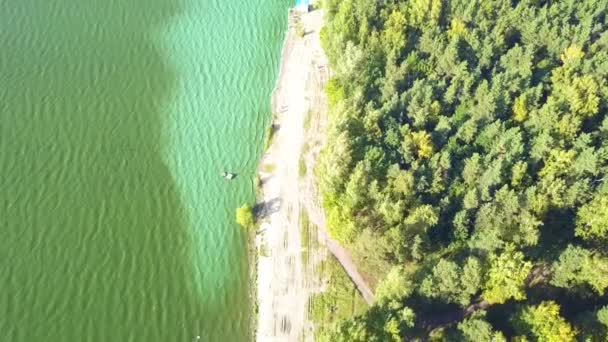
(303, 5)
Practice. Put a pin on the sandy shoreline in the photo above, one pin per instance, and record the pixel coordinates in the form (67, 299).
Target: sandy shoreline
(284, 282)
(282, 295)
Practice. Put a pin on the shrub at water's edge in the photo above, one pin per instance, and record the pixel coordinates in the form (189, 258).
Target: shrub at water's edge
(269, 136)
(245, 217)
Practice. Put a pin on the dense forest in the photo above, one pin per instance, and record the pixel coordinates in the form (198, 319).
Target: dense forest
(466, 166)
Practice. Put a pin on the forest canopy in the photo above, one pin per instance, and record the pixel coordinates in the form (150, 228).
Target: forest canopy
(466, 166)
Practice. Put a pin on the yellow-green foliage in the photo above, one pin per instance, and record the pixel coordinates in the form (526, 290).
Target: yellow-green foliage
(584, 96)
(506, 277)
(300, 31)
(340, 225)
(426, 12)
(518, 172)
(423, 142)
(335, 93)
(393, 35)
(572, 53)
(520, 109)
(244, 216)
(544, 323)
(558, 163)
(457, 28)
(592, 219)
(269, 136)
(396, 286)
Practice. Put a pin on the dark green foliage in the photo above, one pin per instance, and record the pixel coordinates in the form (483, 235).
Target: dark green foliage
(468, 141)
(602, 316)
(578, 266)
(453, 283)
(379, 324)
(591, 327)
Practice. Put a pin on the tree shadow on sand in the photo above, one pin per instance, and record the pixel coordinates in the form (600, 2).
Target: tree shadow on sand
(264, 209)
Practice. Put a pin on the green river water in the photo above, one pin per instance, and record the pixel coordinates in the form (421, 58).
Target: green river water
(116, 119)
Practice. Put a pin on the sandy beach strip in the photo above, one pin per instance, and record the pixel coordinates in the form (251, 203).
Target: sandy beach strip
(284, 283)
(281, 293)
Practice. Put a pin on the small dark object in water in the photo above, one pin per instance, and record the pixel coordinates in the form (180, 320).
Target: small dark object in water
(228, 175)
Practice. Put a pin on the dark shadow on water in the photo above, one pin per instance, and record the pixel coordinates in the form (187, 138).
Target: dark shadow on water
(95, 242)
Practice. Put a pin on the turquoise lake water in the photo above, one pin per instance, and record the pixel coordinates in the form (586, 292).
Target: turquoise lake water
(116, 119)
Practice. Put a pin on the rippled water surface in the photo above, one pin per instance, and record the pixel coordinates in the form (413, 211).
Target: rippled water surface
(116, 119)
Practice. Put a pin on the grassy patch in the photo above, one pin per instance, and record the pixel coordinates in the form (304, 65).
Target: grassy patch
(269, 135)
(340, 299)
(308, 120)
(253, 277)
(268, 168)
(308, 236)
(305, 148)
(305, 228)
(300, 29)
(263, 250)
(258, 186)
(302, 167)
